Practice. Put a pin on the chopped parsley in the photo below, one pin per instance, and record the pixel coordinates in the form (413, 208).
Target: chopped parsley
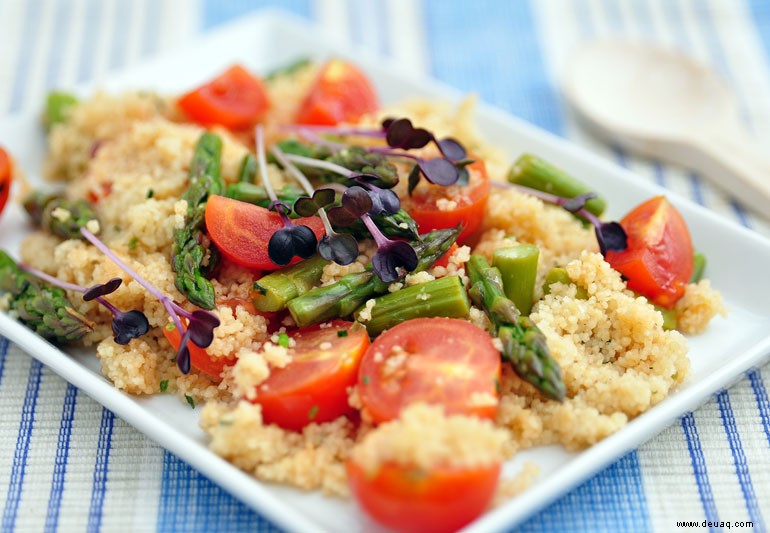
(163, 385)
(190, 400)
(283, 340)
(365, 379)
(313, 411)
(150, 193)
(342, 333)
(133, 242)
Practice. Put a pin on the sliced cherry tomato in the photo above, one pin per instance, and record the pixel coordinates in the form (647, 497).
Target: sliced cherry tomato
(235, 99)
(313, 387)
(241, 230)
(6, 173)
(471, 202)
(444, 361)
(199, 358)
(412, 500)
(443, 261)
(658, 261)
(340, 93)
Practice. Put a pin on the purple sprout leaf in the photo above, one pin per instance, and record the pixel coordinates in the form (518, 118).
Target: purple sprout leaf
(384, 201)
(307, 206)
(102, 289)
(201, 327)
(130, 325)
(392, 255)
(338, 247)
(386, 122)
(401, 133)
(289, 241)
(183, 354)
(451, 149)
(573, 205)
(355, 203)
(611, 236)
(414, 179)
(439, 171)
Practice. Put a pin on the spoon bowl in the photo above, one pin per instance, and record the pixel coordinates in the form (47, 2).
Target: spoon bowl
(664, 104)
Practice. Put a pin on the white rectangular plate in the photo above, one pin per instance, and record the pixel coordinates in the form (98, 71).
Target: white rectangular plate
(737, 260)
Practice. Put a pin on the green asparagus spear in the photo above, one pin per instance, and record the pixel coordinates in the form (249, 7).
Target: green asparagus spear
(524, 345)
(699, 265)
(400, 225)
(58, 215)
(257, 195)
(248, 170)
(57, 107)
(559, 275)
(440, 297)
(669, 317)
(192, 261)
(357, 159)
(42, 307)
(518, 268)
(533, 172)
(349, 293)
(272, 292)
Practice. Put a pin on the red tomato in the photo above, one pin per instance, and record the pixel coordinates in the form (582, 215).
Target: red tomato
(6, 173)
(444, 361)
(199, 358)
(241, 230)
(471, 203)
(412, 500)
(658, 261)
(340, 93)
(313, 386)
(235, 99)
(443, 261)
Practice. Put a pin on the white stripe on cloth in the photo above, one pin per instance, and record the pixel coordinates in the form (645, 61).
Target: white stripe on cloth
(333, 19)
(406, 35)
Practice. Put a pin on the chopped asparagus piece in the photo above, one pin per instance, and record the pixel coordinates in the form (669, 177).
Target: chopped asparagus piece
(518, 269)
(699, 265)
(441, 297)
(57, 107)
(669, 317)
(248, 170)
(290, 68)
(523, 344)
(272, 292)
(559, 275)
(257, 195)
(533, 172)
(60, 216)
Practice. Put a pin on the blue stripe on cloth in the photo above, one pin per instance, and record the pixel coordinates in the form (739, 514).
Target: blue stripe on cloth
(739, 459)
(23, 65)
(101, 471)
(190, 502)
(93, 15)
(151, 26)
(216, 12)
(460, 37)
(607, 502)
(62, 455)
(19, 468)
(120, 37)
(699, 468)
(763, 404)
(60, 36)
(4, 343)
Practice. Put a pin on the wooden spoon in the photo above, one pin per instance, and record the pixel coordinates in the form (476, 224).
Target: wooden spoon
(663, 104)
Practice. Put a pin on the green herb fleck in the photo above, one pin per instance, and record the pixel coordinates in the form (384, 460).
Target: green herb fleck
(133, 242)
(283, 340)
(313, 411)
(225, 422)
(170, 326)
(190, 401)
(116, 228)
(150, 193)
(342, 333)
(163, 385)
(365, 379)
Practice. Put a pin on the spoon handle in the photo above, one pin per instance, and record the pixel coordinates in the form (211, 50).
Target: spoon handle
(739, 166)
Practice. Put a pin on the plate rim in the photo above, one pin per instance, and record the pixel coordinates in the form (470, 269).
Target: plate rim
(270, 506)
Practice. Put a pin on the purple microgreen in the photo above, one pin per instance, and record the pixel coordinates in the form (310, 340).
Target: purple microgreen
(307, 206)
(175, 311)
(451, 149)
(201, 326)
(384, 201)
(355, 203)
(289, 241)
(610, 235)
(390, 255)
(439, 171)
(102, 289)
(126, 325)
(338, 247)
(401, 133)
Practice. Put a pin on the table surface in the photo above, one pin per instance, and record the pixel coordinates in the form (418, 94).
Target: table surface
(66, 463)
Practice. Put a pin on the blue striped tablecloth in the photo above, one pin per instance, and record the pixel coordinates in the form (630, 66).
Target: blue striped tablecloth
(66, 463)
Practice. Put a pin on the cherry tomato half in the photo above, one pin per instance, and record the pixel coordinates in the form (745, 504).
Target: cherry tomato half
(313, 386)
(441, 500)
(444, 361)
(6, 173)
(199, 358)
(242, 231)
(340, 93)
(658, 261)
(471, 202)
(235, 99)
